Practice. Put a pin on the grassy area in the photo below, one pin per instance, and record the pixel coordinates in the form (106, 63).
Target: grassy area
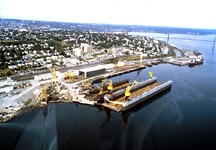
(7, 41)
(95, 55)
(128, 58)
(6, 72)
(172, 52)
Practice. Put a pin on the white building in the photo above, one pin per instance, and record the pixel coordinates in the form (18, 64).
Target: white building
(12, 66)
(92, 71)
(78, 52)
(43, 77)
(86, 47)
(6, 89)
(7, 82)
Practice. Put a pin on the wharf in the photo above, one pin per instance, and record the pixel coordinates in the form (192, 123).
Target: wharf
(125, 71)
(110, 75)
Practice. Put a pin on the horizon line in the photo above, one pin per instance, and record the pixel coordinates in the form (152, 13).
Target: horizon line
(107, 23)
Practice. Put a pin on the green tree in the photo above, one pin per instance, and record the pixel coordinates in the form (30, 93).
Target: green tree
(8, 73)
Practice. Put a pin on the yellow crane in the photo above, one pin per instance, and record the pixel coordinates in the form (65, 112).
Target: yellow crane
(110, 86)
(103, 82)
(44, 95)
(127, 92)
(71, 76)
(117, 66)
(54, 79)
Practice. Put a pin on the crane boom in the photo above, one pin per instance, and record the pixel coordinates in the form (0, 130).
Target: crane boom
(127, 92)
(110, 86)
(44, 95)
(54, 75)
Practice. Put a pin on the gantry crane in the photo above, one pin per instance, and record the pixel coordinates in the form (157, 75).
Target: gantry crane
(127, 92)
(54, 79)
(44, 95)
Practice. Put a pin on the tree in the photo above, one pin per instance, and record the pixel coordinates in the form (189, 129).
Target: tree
(8, 73)
(61, 62)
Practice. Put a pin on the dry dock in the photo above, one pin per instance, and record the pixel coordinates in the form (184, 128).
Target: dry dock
(141, 92)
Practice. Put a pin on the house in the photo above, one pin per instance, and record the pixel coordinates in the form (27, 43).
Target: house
(49, 65)
(12, 66)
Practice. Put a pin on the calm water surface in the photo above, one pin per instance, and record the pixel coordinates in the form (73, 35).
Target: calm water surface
(182, 118)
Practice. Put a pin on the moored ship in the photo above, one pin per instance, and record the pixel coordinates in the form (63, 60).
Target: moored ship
(197, 61)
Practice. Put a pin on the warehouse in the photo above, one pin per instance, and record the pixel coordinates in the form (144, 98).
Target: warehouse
(42, 77)
(93, 71)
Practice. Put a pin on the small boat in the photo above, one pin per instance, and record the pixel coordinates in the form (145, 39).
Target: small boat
(149, 64)
(196, 61)
(155, 62)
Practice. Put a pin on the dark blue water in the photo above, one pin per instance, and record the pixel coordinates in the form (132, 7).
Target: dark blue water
(182, 118)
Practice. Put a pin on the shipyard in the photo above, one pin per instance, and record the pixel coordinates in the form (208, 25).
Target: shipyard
(90, 86)
(80, 67)
(107, 75)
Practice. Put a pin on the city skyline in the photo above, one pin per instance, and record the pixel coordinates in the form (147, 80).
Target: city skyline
(169, 13)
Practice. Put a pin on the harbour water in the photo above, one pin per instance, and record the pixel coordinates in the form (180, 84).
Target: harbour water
(182, 118)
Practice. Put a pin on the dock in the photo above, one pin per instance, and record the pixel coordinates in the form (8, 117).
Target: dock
(140, 93)
(110, 75)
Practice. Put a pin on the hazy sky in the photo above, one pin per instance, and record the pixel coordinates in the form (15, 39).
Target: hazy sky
(176, 13)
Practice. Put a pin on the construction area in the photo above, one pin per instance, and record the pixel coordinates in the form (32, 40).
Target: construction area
(80, 86)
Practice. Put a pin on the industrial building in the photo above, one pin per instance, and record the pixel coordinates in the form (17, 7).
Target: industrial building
(93, 71)
(43, 77)
(48, 76)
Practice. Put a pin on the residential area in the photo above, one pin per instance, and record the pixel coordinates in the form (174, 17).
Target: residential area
(26, 50)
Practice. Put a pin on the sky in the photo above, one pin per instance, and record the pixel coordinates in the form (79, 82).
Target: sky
(171, 13)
